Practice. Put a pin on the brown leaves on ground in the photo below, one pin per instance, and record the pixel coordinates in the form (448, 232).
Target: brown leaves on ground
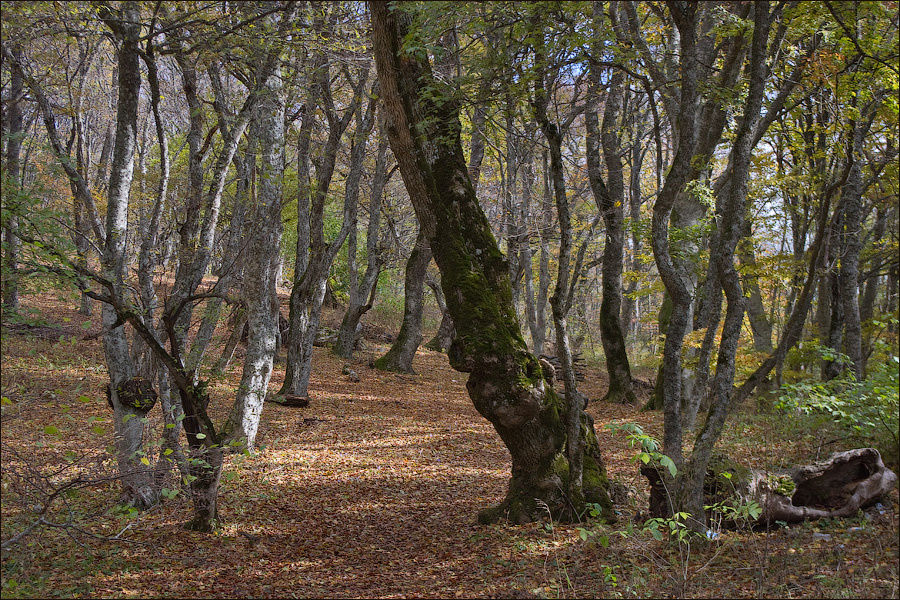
(372, 491)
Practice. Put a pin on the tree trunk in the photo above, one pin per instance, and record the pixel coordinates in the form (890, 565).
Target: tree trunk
(510, 208)
(851, 200)
(506, 383)
(610, 199)
(689, 490)
(129, 428)
(867, 303)
(630, 314)
(445, 332)
(13, 172)
(538, 325)
(362, 293)
(759, 324)
(832, 367)
(476, 144)
(261, 269)
(401, 354)
(309, 287)
(239, 322)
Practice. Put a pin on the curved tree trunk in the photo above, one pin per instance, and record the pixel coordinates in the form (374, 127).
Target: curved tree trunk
(400, 357)
(506, 383)
(689, 491)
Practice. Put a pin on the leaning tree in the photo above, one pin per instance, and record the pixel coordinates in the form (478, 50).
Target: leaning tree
(506, 383)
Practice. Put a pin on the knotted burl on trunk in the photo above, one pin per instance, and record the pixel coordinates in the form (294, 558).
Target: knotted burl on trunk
(136, 393)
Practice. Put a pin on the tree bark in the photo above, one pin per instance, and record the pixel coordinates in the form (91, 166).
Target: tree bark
(630, 308)
(759, 324)
(402, 352)
(362, 293)
(689, 491)
(851, 200)
(831, 367)
(445, 332)
(261, 269)
(13, 171)
(610, 199)
(308, 291)
(125, 25)
(506, 383)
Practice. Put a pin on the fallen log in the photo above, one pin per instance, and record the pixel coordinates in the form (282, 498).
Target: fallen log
(837, 487)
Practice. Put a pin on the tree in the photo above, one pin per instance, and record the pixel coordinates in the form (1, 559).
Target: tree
(506, 382)
(314, 256)
(261, 267)
(610, 198)
(362, 293)
(402, 352)
(12, 176)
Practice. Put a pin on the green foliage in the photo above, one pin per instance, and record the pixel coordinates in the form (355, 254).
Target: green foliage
(675, 526)
(43, 231)
(648, 444)
(866, 410)
(736, 512)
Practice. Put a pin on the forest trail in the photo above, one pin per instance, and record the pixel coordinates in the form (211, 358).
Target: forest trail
(371, 491)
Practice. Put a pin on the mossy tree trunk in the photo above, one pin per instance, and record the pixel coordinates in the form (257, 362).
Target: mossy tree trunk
(505, 382)
(13, 169)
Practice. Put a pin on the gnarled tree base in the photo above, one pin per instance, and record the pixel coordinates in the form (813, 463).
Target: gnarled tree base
(533, 498)
(620, 395)
(289, 400)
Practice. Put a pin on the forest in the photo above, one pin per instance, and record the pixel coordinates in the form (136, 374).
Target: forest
(450, 299)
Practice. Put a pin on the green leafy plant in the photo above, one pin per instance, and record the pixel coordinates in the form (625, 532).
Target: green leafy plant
(866, 410)
(648, 444)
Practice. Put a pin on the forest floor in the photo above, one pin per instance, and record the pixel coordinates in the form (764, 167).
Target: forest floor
(372, 491)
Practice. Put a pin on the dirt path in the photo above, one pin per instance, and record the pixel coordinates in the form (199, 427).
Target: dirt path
(372, 490)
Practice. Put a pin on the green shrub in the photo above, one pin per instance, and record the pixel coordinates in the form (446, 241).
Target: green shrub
(867, 411)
